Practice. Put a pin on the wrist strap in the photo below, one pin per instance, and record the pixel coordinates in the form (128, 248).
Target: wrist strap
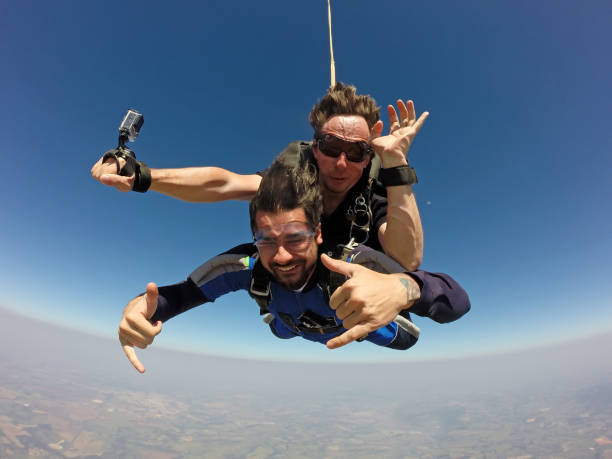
(142, 177)
(141, 172)
(398, 175)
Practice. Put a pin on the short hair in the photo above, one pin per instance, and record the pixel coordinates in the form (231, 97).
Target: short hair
(285, 187)
(342, 99)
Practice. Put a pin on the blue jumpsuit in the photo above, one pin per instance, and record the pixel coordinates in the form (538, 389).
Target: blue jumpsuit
(293, 313)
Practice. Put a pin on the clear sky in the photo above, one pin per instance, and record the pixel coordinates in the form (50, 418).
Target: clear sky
(514, 162)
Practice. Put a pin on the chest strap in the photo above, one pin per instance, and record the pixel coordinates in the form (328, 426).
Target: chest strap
(311, 323)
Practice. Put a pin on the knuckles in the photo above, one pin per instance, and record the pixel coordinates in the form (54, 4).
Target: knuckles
(123, 327)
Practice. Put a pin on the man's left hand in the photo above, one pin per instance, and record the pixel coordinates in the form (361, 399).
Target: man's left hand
(394, 147)
(367, 300)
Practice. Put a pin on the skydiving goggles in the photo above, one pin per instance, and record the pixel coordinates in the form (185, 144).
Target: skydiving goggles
(333, 146)
(294, 237)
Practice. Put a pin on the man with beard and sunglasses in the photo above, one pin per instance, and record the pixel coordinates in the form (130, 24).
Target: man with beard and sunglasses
(319, 301)
(347, 131)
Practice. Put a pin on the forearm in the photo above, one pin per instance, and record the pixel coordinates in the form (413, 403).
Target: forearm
(402, 235)
(177, 298)
(204, 184)
(404, 241)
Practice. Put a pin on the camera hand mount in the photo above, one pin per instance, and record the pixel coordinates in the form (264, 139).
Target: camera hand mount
(128, 132)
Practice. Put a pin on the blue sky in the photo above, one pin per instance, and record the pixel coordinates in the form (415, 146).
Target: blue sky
(514, 162)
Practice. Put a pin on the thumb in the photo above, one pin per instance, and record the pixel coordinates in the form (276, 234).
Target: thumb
(118, 181)
(338, 266)
(419, 123)
(376, 130)
(151, 299)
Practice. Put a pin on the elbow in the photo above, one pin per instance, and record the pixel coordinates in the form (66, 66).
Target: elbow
(414, 263)
(442, 299)
(462, 303)
(448, 311)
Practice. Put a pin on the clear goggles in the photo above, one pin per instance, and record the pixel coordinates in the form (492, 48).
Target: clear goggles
(294, 237)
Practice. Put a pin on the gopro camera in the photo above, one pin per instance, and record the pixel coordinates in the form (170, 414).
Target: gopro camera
(130, 126)
(128, 131)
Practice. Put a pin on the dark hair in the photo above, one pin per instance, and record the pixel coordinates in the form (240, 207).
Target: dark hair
(285, 187)
(342, 99)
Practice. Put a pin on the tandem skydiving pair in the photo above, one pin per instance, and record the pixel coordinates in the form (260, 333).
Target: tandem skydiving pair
(322, 299)
(360, 204)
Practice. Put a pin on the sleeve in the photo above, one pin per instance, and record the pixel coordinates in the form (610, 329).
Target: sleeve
(403, 340)
(221, 274)
(442, 298)
(177, 298)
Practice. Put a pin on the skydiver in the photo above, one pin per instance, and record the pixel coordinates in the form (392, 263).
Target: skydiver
(347, 131)
(297, 295)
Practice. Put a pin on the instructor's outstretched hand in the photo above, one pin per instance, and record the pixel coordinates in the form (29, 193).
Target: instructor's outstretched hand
(106, 172)
(135, 328)
(367, 300)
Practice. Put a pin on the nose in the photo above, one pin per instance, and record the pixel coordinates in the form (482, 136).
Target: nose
(282, 255)
(341, 161)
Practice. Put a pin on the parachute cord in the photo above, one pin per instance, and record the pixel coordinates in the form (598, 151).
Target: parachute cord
(331, 47)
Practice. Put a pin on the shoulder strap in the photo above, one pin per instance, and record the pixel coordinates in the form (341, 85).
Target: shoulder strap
(329, 280)
(259, 288)
(296, 152)
(375, 167)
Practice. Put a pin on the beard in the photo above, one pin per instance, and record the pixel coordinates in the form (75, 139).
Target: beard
(294, 279)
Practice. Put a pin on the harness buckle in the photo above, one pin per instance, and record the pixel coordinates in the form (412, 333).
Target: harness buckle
(360, 216)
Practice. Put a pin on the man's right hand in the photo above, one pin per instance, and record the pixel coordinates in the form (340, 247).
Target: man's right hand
(106, 173)
(135, 329)
(368, 299)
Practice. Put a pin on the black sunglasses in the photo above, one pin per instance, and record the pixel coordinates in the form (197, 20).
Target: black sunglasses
(333, 146)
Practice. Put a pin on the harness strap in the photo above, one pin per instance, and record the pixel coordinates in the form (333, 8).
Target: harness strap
(259, 288)
(305, 327)
(319, 330)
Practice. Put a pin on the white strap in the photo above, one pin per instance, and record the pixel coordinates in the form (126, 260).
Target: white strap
(331, 47)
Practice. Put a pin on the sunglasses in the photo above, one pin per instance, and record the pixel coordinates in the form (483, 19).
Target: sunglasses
(333, 146)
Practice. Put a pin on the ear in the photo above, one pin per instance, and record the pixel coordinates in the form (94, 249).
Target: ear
(315, 148)
(319, 235)
(316, 154)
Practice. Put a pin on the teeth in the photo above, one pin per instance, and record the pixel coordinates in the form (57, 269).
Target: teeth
(285, 268)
